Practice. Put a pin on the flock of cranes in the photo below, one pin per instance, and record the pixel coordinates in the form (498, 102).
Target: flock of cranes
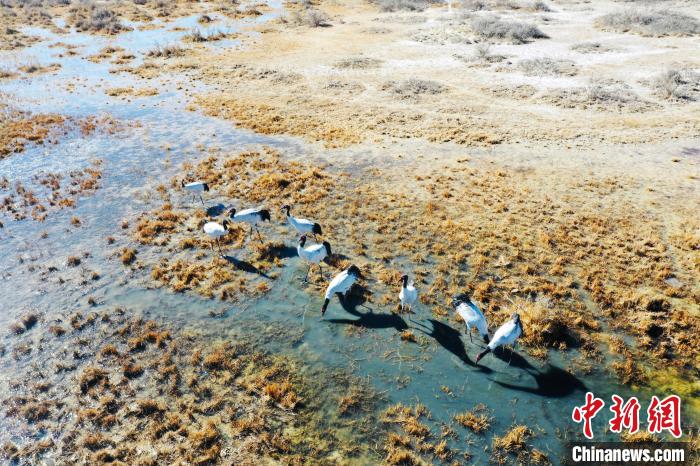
(506, 334)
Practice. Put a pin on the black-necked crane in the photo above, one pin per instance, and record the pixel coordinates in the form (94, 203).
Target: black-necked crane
(215, 231)
(251, 217)
(408, 293)
(471, 315)
(341, 283)
(302, 225)
(506, 334)
(313, 254)
(196, 188)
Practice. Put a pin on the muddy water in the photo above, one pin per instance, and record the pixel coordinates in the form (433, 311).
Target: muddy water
(437, 371)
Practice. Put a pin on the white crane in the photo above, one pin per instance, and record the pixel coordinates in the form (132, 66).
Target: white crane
(196, 187)
(505, 335)
(313, 254)
(251, 217)
(341, 283)
(471, 315)
(215, 231)
(408, 293)
(302, 225)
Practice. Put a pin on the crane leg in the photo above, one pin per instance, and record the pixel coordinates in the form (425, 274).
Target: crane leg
(259, 237)
(511, 355)
(202, 200)
(470, 336)
(218, 243)
(307, 274)
(320, 270)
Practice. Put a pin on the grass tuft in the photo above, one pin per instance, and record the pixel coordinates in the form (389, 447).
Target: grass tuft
(492, 27)
(650, 22)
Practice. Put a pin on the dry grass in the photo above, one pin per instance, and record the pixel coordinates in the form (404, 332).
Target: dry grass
(128, 256)
(545, 66)
(357, 63)
(46, 191)
(307, 16)
(416, 445)
(130, 91)
(270, 119)
(592, 47)
(514, 440)
(402, 5)
(650, 22)
(166, 51)
(17, 129)
(494, 28)
(602, 96)
(197, 36)
(106, 409)
(476, 420)
(412, 88)
(95, 19)
(678, 84)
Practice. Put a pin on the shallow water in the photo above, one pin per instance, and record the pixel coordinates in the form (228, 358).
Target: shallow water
(438, 371)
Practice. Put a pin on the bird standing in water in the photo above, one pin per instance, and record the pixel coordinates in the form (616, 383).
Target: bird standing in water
(505, 335)
(196, 187)
(472, 315)
(408, 294)
(341, 283)
(215, 231)
(314, 254)
(251, 217)
(302, 225)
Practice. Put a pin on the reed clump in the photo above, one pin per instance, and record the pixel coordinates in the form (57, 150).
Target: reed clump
(477, 420)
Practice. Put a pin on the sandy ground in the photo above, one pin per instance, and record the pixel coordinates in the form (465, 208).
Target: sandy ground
(293, 80)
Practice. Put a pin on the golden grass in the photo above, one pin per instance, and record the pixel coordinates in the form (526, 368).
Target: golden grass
(514, 440)
(187, 399)
(476, 420)
(50, 191)
(128, 256)
(19, 129)
(269, 119)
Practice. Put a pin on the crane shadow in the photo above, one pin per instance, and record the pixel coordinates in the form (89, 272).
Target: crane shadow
(551, 382)
(216, 210)
(449, 338)
(374, 321)
(245, 266)
(356, 297)
(367, 319)
(281, 251)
